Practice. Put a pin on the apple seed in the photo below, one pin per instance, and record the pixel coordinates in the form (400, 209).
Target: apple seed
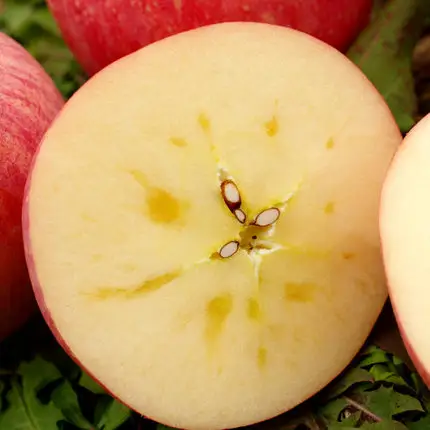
(229, 249)
(240, 215)
(231, 195)
(267, 217)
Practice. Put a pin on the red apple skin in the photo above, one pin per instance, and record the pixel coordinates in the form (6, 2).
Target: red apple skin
(102, 31)
(29, 101)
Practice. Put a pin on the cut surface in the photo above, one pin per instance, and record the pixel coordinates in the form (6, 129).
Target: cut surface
(405, 233)
(138, 253)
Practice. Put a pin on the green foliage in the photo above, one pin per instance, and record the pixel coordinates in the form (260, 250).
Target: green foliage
(41, 388)
(38, 397)
(384, 53)
(377, 392)
(31, 24)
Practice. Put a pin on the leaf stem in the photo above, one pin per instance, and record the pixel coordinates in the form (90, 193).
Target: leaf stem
(361, 408)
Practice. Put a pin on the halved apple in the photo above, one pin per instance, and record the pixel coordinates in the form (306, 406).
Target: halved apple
(405, 234)
(203, 223)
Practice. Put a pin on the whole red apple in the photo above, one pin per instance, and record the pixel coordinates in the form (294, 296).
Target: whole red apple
(102, 31)
(29, 101)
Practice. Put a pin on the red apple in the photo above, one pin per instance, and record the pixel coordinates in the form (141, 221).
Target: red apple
(201, 223)
(101, 31)
(28, 103)
(405, 234)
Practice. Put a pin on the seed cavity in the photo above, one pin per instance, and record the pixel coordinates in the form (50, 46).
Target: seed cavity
(229, 249)
(231, 195)
(267, 217)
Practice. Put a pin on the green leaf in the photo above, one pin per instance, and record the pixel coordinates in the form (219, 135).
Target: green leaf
(43, 18)
(374, 356)
(384, 425)
(17, 16)
(110, 414)
(25, 410)
(422, 424)
(381, 374)
(332, 410)
(2, 388)
(350, 378)
(384, 53)
(65, 398)
(87, 382)
(386, 402)
(352, 419)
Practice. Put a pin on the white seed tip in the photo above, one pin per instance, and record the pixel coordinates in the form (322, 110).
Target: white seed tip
(267, 217)
(229, 249)
(240, 215)
(230, 193)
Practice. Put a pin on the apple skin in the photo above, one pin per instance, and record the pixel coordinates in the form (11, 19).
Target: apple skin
(420, 367)
(101, 31)
(29, 102)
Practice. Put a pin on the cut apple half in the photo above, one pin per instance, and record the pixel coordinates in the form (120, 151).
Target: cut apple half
(405, 234)
(202, 223)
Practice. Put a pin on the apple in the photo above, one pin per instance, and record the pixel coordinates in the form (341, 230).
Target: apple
(29, 101)
(102, 31)
(202, 223)
(405, 214)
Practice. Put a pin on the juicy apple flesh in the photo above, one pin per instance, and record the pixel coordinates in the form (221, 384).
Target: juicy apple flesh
(140, 254)
(405, 234)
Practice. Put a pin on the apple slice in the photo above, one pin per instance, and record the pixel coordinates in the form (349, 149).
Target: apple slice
(202, 223)
(404, 220)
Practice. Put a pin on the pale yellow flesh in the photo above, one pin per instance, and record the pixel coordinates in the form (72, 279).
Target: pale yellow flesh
(405, 233)
(125, 212)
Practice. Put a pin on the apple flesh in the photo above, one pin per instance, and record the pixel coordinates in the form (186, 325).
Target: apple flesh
(101, 31)
(141, 257)
(405, 235)
(28, 103)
